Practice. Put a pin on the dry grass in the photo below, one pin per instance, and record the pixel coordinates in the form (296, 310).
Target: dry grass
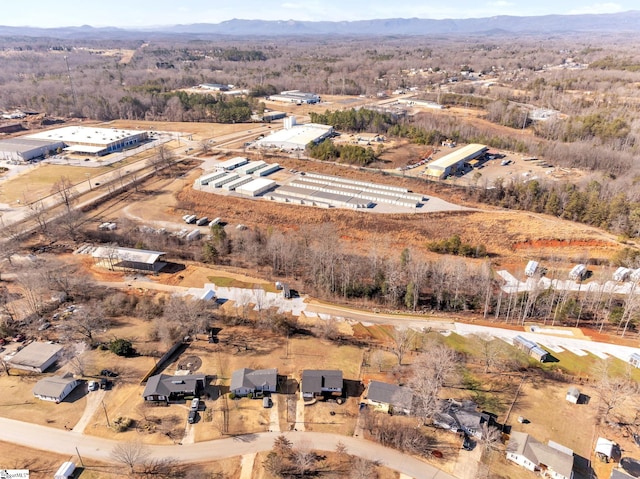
(17, 402)
(328, 416)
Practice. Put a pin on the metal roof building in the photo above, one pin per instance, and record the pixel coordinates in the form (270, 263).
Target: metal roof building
(36, 357)
(297, 137)
(446, 165)
(233, 163)
(92, 140)
(128, 258)
(26, 149)
(256, 187)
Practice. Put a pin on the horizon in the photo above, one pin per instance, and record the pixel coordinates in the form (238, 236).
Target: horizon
(164, 13)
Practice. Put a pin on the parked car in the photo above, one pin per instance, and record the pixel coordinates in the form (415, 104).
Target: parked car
(108, 373)
(192, 416)
(45, 325)
(19, 338)
(195, 404)
(104, 383)
(93, 385)
(266, 402)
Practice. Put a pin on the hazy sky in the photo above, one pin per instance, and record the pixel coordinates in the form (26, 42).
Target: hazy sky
(123, 13)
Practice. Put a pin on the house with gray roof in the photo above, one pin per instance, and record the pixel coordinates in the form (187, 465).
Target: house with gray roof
(461, 416)
(320, 382)
(390, 397)
(554, 460)
(247, 381)
(36, 357)
(163, 387)
(55, 388)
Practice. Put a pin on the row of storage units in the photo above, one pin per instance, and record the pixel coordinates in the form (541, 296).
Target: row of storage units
(278, 198)
(387, 197)
(330, 198)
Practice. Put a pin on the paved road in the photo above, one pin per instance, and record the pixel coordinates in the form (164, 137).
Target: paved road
(66, 442)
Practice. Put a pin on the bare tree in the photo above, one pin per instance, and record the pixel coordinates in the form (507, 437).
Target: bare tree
(377, 359)
(40, 214)
(304, 458)
(433, 369)
(492, 351)
(130, 454)
(402, 342)
(85, 321)
(191, 314)
(613, 389)
(65, 191)
(362, 468)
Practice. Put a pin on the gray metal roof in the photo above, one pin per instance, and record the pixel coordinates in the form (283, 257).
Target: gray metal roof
(35, 355)
(127, 254)
(313, 380)
(392, 394)
(52, 386)
(538, 453)
(23, 145)
(252, 379)
(165, 385)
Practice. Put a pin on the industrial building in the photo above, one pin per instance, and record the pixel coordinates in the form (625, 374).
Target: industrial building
(296, 96)
(295, 137)
(91, 140)
(448, 164)
(268, 116)
(214, 86)
(26, 149)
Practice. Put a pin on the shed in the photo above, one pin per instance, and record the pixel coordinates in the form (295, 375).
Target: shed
(578, 272)
(605, 449)
(531, 268)
(55, 388)
(116, 258)
(36, 357)
(634, 360)
(573, 395)
(65, 471)
(621, 274)
(531, 348)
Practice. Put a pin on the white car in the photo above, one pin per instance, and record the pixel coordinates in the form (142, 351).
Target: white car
(93, 385)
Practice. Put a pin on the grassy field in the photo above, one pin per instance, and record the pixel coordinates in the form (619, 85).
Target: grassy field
(229, 282)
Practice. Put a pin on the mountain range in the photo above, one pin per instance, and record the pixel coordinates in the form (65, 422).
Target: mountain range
(539, 25)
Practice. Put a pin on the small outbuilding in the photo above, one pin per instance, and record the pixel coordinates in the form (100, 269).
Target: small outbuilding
(606, 449)
(634, 360)
(128, 259)
(573, 395)
(531, 348)
(65, 471)
(531, 268)
(36, 357)
(55, 388)
(578, 272)
(621, 274)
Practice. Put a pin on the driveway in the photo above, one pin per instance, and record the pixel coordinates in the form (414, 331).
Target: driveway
(89, 447)
(94, 401)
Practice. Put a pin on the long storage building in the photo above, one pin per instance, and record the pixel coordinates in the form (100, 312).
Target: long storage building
(448, 164)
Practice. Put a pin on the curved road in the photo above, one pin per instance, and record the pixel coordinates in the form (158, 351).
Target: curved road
(66, 442)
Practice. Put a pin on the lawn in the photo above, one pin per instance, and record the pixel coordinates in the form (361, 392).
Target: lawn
(229, 282)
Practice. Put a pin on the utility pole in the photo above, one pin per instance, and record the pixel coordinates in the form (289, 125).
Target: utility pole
(79, 457)
(73, 91)
(105, 414)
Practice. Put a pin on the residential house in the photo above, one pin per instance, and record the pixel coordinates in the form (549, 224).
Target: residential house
(247, 381)
(320, 382)
(620, 474)
(461, 416)
(55, 388)
(163, 387)
(553, 460)
(388, 397)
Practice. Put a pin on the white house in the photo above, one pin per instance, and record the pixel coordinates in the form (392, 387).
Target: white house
(55, 388)
(554, 459)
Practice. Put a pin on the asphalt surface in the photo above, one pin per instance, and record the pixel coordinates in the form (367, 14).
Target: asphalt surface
(69, 442)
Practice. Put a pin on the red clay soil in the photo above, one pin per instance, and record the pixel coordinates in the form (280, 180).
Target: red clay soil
(555, 243)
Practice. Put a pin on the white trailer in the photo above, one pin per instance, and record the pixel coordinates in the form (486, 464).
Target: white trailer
(190, 219)
(65, 471)
(621, 274)
(193, 235)
(202, 221)
(531, 268)
(215, 221)
(578, 272)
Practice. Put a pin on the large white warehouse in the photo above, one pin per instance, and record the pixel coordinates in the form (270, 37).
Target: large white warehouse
(296, 137)
(92, 140)
(26, 149)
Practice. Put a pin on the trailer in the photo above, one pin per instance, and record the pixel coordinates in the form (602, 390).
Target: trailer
(193, 235)
(202, 221)
(531, 268)
(578, 272)
(215, 221)
(190, 219)
(621, 274)
(65, 471)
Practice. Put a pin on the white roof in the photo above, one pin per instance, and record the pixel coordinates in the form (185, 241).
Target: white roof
(127, 254)
(464, 153)
(85, 148)
(84, 134)
(298, 135)
(257, 185)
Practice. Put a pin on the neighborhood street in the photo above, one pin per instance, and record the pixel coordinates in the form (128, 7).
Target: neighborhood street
(89, 447)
